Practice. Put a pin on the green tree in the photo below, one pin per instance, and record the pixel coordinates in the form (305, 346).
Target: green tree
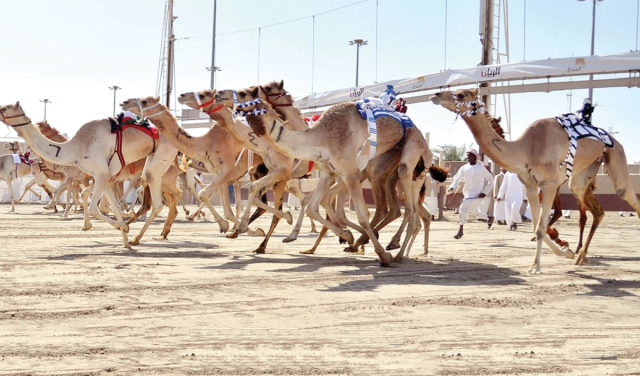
(451, 152)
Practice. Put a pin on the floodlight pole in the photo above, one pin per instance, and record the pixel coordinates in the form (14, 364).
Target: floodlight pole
(115, 89)
(45, 101)
(358, 43)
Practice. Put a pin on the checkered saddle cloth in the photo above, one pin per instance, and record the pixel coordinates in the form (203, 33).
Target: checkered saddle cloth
(576, 128)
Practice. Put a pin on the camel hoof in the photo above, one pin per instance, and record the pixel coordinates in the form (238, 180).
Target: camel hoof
(87, 227)
(399, 259)
(386, 259)
(224, 226)
(191, 217)
(567, 253)
(424, 254)
(232, 235)
(65, 218)
(135, 241)
(259, 251)
(351, 249)
(308, 252)
(313, 231)
(288, 217)
(347, 236)
(258, 232)
(289, 239)
(186, 212)
(393, 245)
(534, 270)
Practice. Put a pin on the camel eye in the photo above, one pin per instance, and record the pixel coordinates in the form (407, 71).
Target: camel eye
(460, 96)
(243, 94)
(201, 96)
(144, 102)
(269, 89)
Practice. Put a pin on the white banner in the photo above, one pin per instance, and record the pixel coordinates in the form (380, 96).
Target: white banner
(572, 66)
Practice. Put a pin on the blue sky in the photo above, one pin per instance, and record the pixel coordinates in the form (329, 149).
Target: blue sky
(71, 51)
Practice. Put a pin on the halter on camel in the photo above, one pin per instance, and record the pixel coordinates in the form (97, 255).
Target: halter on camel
(277, 96)
(202, 106)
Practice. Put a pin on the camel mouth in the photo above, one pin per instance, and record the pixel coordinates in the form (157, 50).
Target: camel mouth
(435, 99)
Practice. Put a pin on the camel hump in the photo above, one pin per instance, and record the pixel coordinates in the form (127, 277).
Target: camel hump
(50, 132)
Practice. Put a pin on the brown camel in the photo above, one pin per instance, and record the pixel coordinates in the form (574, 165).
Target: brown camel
(535, 157)
(92, 150)
(333, 143)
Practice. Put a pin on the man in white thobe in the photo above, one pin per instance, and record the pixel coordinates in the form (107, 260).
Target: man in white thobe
(512, 194)
(475, 175)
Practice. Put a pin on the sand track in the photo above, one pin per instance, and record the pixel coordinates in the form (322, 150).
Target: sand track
(77, 303)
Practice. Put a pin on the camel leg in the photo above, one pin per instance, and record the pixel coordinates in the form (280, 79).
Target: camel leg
(616, 161)
(27, 188)
(154, 184)
(303, 204)
(410, 189)
(206, 194)
(172, 194)
(582, 224)
(102, 187)
(313, 207)
(355, 190)
(543, 209)
(426, 221)
(10, 186)
(85, 207)
(278, 195)
(256, 187)
(583, 185)
(321, 235)
(237, 191)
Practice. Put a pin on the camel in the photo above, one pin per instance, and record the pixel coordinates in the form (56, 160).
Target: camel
(538, 158)
(379, 173)
(169, 126)
(333, 143)
(92, 150)
(9, 172)
(39, 179)
(216, 150)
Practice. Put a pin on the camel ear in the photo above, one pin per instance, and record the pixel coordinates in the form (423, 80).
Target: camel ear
(17, 105)
(157, 99)
(499, 119)
(281, 85)
(474, 92)
(254, 92)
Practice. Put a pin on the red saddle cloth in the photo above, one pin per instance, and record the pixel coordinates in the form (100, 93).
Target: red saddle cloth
(128, 119)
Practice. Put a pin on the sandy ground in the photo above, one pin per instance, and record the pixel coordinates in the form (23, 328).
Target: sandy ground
(74, 302)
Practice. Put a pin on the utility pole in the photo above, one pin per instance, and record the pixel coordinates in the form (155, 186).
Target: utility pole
(358, 43)
(170, 38)
(115, 89)
(486, 31)
(213, 46)
(45, 101)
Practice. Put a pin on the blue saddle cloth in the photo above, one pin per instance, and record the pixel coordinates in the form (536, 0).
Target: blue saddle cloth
(401, 118)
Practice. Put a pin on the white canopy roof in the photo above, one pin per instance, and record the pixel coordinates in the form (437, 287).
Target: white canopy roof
(565, 67)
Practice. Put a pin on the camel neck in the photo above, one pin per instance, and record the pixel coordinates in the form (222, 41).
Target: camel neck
(55, 152)
(294, 120)
(180, 139)
(241, 131)
(498, 149)
(302, 145)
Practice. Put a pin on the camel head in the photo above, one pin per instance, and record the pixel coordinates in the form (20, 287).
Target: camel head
(225, 97)
(15, 114)
(14, 146)
(459, 101)
(199, 100)
(147, 106)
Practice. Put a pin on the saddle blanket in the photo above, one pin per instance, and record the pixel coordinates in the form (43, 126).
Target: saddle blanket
(576, 128)
(128, 119)
(371, 109)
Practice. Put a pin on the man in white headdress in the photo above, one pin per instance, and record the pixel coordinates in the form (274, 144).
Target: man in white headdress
(475, 176)
(512, 194)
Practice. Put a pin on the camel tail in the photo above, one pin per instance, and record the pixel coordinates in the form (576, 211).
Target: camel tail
(438, 173)
(615, 160)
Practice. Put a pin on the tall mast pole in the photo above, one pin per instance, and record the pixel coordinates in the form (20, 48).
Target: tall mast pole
(487, 43)
(170, 54)
(213, 47)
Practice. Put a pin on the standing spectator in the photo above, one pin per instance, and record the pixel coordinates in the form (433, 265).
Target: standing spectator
(475, 175)
(512, 193)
